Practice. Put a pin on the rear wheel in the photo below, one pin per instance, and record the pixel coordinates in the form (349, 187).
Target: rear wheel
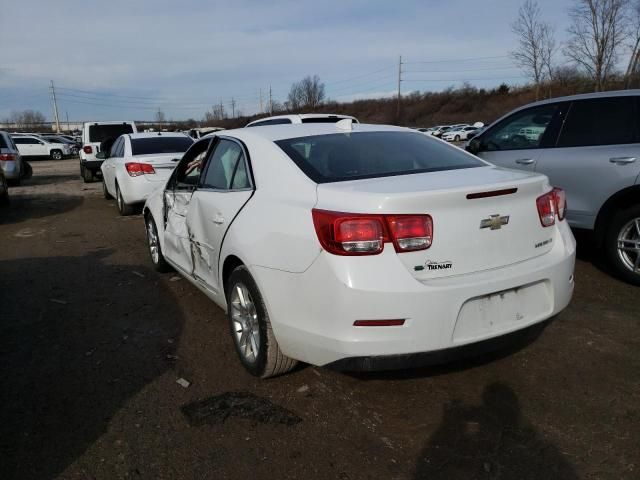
(153, 241)
(251, 329)
(123, 207)
(4, 196)
(87, 175)
(56, 155)
(622, 244)
(457, 138)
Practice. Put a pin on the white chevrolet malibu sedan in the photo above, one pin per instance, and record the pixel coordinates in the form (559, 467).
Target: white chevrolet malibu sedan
(138, 163)
(360, 246)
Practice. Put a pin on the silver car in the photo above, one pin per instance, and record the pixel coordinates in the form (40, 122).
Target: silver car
(589, 145)
(10, 159)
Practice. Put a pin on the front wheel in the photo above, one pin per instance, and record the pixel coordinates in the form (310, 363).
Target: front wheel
(153, 241)
(457, 139)
(56, 155)
(622, 244)
(251, 329)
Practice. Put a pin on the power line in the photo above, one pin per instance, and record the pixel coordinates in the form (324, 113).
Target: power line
(458, 79)
(459, 59)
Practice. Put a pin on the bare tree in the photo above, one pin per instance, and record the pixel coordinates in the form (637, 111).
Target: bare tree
(597, 31)
(536, 43)
(308, 93)
(216, 114)
(27, 119)
(160, 116)
(634, 32)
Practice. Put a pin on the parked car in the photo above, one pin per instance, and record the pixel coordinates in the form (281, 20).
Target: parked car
(300, 118)
(458, 134)
(93, 134)
(360, 246)
(439, 130)
(590, 146)
(11, 163)
(36, 146)
(73, 146)
(4, 190)
(137, 164)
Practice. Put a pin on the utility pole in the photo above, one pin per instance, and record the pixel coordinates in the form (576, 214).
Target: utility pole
(233, 108)
(399, 81)
(55, 107)
(67, 114)
(261, 110)
(270, 102)
(221, 111)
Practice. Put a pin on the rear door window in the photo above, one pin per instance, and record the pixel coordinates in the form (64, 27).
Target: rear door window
(3, 142)
(521, 131)
(601, 121)
(275, 121)
(351, 156)
(227, 169)
(99, 133)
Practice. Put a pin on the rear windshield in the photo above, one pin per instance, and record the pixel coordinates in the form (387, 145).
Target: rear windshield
(3, 143)
(324, 120)
(100, 133)
(351, 156)
(148, 146)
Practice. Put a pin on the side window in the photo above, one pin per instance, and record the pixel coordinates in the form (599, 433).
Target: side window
(602, 121)
(188, 171)
(522, 130)
(227, 168)
(114, 148)
(19, 141)
(275, 121)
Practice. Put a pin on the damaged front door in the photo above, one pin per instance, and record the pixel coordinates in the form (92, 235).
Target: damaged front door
(224, 189)
(177, 198)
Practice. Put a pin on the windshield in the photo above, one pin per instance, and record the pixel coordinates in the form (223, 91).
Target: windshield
(342, 156)
(148, 146)
(100, 133)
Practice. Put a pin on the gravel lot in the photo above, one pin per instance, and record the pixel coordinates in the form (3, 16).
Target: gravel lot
(93, 341)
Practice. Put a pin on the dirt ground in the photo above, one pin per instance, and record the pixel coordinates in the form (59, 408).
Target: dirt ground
(92, 342)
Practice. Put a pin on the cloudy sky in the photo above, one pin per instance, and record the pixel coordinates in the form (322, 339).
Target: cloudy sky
(112, 59)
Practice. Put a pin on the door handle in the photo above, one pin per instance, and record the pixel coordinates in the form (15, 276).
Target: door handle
(218, 219)
(525, 161)
(622, 160)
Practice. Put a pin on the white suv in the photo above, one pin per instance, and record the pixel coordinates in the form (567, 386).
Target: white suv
(10, 161)
(93, 134)
(36, 146)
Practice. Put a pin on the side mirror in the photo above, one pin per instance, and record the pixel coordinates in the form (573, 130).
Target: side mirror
(102, 155)
(473, 146)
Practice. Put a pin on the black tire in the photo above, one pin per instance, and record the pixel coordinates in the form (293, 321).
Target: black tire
(56, 155)
(4, 198)
(14, 182)
(105, 192)
(269, 361)
(627, 220)
(27, 170)
(457, 138)
(158, 261)
(123, 207)
(87, 175)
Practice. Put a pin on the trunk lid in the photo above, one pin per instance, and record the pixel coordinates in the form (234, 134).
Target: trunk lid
(460, 245)
(163, 164)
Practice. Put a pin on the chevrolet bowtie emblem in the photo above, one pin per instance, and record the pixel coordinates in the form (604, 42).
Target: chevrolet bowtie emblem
(494, 222)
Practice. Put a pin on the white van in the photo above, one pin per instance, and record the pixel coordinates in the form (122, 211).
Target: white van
(93, 134)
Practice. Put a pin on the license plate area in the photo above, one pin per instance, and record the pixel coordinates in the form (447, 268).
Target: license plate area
(494, 313)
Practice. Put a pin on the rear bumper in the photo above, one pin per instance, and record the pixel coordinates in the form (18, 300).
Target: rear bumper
(93, 165)
(312, 313)
(138, 189)
(11, 169)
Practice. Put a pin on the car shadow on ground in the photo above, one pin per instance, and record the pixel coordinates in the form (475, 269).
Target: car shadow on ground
(491, 440)
(33, 206)
(43, 179)
(73, 353)
(587, 250)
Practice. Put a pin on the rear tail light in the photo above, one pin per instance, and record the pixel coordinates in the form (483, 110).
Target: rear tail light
(379, 323)
(561, 202)
(365, 234)
(135, 169)
(552, 205)
(410, 232)
(7, 157)
(87, 149)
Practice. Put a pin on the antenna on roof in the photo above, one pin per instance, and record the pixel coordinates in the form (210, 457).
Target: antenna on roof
(345, 125)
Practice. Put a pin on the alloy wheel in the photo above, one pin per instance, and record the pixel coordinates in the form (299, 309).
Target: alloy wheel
(246, 325)
(152, 239)
(629, 245)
